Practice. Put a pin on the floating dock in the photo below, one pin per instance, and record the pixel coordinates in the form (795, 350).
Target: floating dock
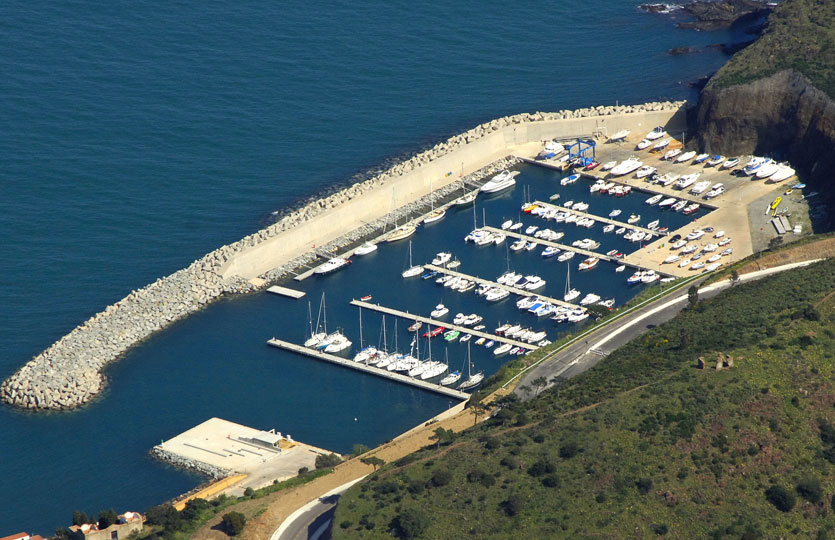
(449, 326)
(650, 188)
(601, 219)
(284, 291)
(515, 290)
(397, 377)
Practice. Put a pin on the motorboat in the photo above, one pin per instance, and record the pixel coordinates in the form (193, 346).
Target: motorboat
(766, 170)
(671, 154)
(730, 163)
(695, 235)
(337, 342)
(715, 191)
(429, 275)
(466, 200)
(495, 294)
(719, 234)
(714, 258)
(691, 208)
(608, 165)
(569, 179)
(439, 311)
(504, 180)
(589, 263)
(653, 224)
(507, 224)
(442, 258)
(645, 143)
(654, 199)
(701, 158)
(710, 248)
(635, 278)
(656, 133)
(620, 230)
(784, 172)
(451, 335)
(415, 326)
(332, 265)
(589, 299)
(518, 245)
(697, 266)
(666, 179)
(649, 276)
(687, 180)
(700, 188)
(402, 232)
(620, 268)
(586, 243)
(753, 166)
(678, 244)
(715, 160)
(684, 263)
(687, 156)
(669, 201)
(725, 241)
(671, 259)
(620, 135)
(580, 206)
(712, 267)
(634, 218)
(615, 213)
(532, 229)
(434, 332)
(726, 252)
(550, 252)
(679, 206)
(365, 249)
(566, 256)
(459, 319)
(609, 228)
(534, 283)
(625, 167)
(591, 165)
(645, 171)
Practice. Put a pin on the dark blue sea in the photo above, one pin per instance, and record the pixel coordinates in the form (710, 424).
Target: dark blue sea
(135, 137)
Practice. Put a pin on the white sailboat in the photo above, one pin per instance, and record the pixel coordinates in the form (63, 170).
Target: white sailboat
(366, 353)
(433, 215)
(454, 376)
(473, 380)
(316, 337)
(412, 271)
(570, 294)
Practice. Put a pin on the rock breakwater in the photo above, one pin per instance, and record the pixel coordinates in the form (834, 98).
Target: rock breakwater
(69, 374)
(190, 464)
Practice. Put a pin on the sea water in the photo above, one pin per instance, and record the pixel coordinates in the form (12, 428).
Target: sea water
(134, 138)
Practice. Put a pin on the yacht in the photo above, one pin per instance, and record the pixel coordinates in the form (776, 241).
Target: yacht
(496, 294)
(439, 311)
(334, 343)
(366, 248)
(442, 258)
(767, 169)
(332, 265)
(625, 167)
(401, 233)
(784, 172)
(700, 188)
(644, 171)
(687, 180)
(590, 298)
(500, 182)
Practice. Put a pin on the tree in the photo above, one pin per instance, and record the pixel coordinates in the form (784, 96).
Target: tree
(780, 497)
(164, 515)
(374, 461)
(525, 389)
(734, 276)
(478, 408)
(810, 489)
(233, 523)
(411, 523)
(79, 518)
(442, 436)
(693, 295)
(327, 461)
(359, 449)
(107, 518)
(540, 383)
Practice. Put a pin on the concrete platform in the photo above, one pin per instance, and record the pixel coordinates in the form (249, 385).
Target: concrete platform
(227, 445)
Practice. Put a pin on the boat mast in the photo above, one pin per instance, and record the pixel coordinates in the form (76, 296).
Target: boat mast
(360, 309)
(310, 317)
(325, 312)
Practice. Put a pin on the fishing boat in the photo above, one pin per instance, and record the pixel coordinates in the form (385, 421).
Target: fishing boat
(412, 271)
(332, 265)
(691, 208)
(366, 248)
(715, 160)
(656, 133)
(472, 380)
(504, 180)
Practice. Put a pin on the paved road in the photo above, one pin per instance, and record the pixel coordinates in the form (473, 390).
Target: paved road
(314, 520)
(585, 353)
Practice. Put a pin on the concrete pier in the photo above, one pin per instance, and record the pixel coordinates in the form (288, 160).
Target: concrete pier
(386, 374)
(514, 290)
(448, 326)
(284, 291)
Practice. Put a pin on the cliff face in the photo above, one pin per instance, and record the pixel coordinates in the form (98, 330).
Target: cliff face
(782, 114)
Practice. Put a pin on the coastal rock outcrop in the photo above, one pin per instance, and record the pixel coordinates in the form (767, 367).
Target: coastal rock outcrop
(783, 114)
(68, 374)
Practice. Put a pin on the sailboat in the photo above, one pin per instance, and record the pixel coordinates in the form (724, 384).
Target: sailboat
(570, 294)
(433, 368)
(401, 233)
(473, 380)
(466, 198)
(453, 377)
(433, 215)
(412, 271)
(384, 358)
(316, 337)
(366, 353)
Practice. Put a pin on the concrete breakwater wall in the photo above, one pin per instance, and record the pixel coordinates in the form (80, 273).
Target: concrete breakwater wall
(69, 373)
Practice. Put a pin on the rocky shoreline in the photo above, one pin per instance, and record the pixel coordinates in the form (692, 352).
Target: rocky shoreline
(215, 473)
(68, 374)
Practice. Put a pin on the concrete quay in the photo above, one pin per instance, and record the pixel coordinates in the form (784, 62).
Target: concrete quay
(68, 373)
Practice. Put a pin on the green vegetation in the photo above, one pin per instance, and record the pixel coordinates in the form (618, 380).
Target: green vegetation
(645, 442)
(800, 35)
(233, 523)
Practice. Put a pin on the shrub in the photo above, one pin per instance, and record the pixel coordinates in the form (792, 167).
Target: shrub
(780, 497)
(345, 524)
(600, 497)
(303, 471)
(410, 523)
(441, 477)
(569, 450)
(326, 461)
(233, 523)
(249, 492)
(810, 489)
(551, 481)
(643, 485)
(512, 505)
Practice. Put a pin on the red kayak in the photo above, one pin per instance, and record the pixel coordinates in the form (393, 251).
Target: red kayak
(433, 333)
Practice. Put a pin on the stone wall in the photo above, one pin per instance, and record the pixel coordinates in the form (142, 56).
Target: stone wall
(68, 374)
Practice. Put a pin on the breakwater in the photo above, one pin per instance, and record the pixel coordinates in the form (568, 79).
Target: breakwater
(69, 373)
(183, 462)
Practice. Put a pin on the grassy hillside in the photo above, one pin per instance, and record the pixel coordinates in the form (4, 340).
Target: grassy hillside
(646, 445)
(800, 35)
